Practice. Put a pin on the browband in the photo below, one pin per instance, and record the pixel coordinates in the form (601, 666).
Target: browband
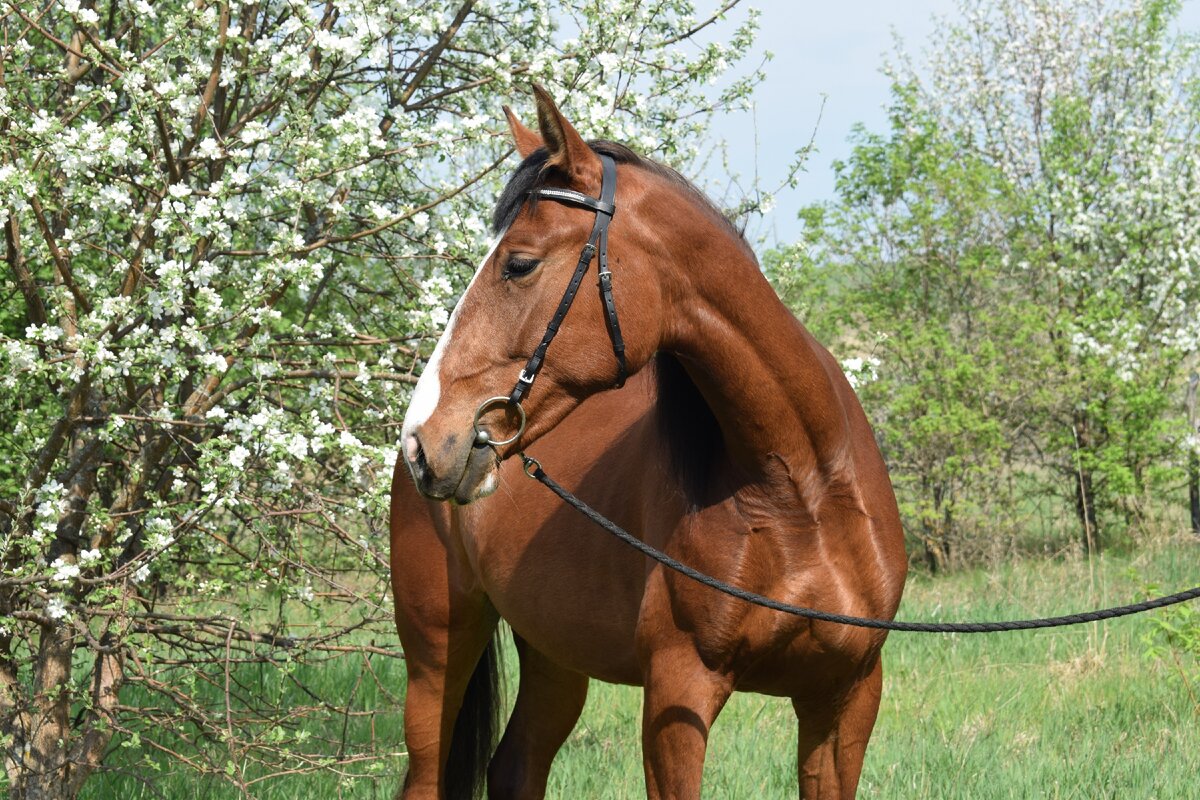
(578, 198)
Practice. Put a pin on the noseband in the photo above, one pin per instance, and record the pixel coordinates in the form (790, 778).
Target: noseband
(604, 209)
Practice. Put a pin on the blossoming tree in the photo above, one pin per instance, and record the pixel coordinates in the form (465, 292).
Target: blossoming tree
(230, 228)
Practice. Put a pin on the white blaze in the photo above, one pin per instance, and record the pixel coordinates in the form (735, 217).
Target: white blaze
(429, 388)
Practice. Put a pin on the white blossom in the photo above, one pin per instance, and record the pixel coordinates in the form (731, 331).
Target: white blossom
(56, 608)
(64, 571)
(298, 445)
(860, 370)
(238, 456)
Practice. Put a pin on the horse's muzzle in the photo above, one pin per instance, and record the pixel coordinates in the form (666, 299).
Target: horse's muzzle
(452, 469)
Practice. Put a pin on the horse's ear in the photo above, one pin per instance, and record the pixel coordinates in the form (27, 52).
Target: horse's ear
(525, 140)
(568, 151)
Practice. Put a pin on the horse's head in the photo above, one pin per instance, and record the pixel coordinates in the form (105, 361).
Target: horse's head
(504, 313)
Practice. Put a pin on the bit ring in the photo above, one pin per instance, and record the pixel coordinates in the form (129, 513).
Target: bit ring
(482, 437)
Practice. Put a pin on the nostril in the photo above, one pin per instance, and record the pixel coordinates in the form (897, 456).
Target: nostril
(414, 454)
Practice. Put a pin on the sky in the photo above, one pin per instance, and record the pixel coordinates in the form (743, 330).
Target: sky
(830, 50)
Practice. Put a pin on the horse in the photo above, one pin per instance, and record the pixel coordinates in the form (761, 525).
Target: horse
(736, 445)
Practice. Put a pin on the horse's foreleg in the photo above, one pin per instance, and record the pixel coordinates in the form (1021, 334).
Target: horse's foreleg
(445, 623)
(682, 699)
(548, 705)
(833, 739)
(440, 667)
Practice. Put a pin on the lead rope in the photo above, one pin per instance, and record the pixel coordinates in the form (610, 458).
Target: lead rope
(534, 470)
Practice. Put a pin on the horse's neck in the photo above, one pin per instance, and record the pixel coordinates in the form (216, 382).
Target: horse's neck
(770, 385)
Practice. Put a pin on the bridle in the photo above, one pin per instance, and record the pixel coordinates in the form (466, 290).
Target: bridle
(597, 242)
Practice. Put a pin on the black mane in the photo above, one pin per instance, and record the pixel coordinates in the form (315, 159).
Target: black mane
(691, 436)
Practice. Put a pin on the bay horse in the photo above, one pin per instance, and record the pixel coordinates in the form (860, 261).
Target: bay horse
(737, 446)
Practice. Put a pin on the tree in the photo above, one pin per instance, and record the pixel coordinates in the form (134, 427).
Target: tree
(1032, 218)
(229, 227)
(915, 266)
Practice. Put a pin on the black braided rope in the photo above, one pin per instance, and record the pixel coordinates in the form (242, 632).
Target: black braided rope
(860, 622)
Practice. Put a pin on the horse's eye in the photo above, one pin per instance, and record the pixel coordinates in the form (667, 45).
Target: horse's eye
(519, 266)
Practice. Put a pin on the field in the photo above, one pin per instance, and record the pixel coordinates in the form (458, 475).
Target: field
(1070, 713)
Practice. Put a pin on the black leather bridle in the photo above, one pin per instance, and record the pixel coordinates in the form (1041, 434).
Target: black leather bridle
(596, 243)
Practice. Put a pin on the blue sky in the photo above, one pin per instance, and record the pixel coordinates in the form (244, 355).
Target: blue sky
(833, 49)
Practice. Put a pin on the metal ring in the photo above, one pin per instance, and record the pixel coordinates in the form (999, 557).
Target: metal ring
(531, 465)
(483, 436)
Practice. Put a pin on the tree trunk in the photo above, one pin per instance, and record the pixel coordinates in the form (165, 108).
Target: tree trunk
(935, 554)
(1193, 457)
(1194, 491)
(1085, 509)
(50, 752)
(50, 755)
(935, 533)
(1085, 494)
(44, 771)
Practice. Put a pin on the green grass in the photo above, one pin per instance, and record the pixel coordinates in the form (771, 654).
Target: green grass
(1067, 713)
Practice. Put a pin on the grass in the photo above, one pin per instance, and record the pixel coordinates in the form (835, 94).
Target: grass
(1069, 713)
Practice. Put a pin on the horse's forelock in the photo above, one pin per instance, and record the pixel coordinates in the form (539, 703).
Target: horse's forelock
(527, 178)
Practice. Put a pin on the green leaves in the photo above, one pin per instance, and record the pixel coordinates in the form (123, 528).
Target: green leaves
(1020, 251)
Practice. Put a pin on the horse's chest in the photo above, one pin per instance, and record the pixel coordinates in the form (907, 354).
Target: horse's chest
(567, 589)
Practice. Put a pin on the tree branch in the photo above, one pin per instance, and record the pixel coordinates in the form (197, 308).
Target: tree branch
(716, 15)
(66, 48)
(35, 310)
(435, 53)
(60, 260)
(210, 88)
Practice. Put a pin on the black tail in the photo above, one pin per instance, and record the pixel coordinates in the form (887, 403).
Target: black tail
(475, 730)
